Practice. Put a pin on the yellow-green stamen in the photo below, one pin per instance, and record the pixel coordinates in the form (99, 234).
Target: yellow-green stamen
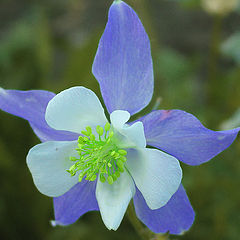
(98, 156)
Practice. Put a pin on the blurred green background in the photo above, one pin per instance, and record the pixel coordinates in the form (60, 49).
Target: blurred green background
(50, 44)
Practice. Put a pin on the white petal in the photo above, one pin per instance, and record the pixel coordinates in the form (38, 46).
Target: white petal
(129, 136)
(119, 118)
(114, 199)
(135, 133)
(48, 163)
(156, 174)
(74, 109)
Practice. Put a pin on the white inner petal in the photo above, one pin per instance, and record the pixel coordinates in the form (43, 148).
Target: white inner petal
(114, 199)
(74, 109)
(119, 118)
(127, 136)
(48, 163)
(156, 174)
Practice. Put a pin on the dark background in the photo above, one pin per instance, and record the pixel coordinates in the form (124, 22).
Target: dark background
(50, 44)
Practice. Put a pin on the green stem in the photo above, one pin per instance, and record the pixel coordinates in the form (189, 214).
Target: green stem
(142, 231)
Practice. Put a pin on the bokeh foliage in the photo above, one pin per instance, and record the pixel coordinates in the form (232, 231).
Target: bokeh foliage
(51, 45)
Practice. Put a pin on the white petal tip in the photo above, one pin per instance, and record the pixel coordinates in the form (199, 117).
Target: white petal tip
(117, 1)
(182, 232)
(114, 199)
(2, 91)
(53, 223)
(56, 223)
(112, 228)
(119, 118)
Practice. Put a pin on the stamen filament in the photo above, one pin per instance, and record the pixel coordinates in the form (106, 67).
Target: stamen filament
(98, 157)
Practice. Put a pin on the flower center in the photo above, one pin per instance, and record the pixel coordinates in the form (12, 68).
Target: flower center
(98, 156)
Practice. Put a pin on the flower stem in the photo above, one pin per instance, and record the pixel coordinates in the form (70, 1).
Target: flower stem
(142, 231)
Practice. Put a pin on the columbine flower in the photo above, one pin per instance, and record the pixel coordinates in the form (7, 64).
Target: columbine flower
(89, 163)
(221, 7)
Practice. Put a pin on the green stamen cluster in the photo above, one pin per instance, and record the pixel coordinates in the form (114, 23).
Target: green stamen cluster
(98, 156)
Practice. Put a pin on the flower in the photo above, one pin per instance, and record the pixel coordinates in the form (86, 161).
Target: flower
(220, 7)
(88, 163)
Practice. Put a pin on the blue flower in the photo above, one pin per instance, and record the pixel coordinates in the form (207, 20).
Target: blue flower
(88, 163)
